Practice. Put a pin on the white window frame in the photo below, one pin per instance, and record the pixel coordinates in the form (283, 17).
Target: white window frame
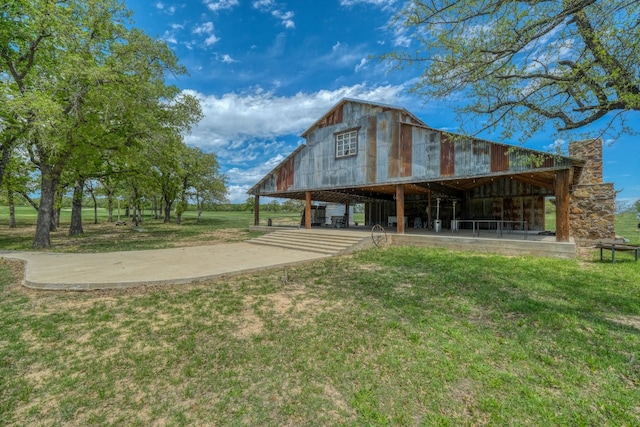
(346, 143)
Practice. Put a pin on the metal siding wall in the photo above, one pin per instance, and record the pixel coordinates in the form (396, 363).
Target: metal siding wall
(447, 156)
(406, 150)
(393, 165)
(499, 158)
(432, 153)
(471, 157)
(519, 161)
(372, 150)
(419, 149)
(383, 135)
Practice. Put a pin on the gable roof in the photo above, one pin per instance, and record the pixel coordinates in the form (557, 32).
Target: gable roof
(343, 101)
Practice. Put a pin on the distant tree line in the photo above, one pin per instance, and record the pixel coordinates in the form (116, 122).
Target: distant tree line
(86, 110)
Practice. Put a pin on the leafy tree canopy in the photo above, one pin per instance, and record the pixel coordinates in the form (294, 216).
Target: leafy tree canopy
(522, 64)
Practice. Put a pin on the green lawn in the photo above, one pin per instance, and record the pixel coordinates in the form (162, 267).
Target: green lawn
(400, 336)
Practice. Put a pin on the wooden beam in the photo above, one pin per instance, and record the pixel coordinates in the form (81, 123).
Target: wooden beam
(307, 211)
(400, 207)
(563, 182)
(256, 210)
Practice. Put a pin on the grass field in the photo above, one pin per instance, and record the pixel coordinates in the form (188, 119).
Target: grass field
(400, 336)
(394, 336)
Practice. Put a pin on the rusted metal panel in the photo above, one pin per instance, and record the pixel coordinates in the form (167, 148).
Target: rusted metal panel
(471, 157)
(372, 150)
(512, 208)
(333, 117)
(406, 150)
(447, 156)
(499, 158)
(497, 209)
(285, 175)
(394, 152)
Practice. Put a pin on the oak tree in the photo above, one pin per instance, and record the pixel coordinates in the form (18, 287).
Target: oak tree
(519, 65)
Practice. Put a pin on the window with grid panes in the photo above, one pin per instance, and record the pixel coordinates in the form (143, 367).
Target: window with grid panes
(347, 144)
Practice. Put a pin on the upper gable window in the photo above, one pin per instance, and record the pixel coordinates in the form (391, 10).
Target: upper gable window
(347, 143)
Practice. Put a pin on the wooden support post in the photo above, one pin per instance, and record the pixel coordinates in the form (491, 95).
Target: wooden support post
(400, 207)
(346, 215)
(307, 211)
(429, 224)
(563, 182)
(256, 210)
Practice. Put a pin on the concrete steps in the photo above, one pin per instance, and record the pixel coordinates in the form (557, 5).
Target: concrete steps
(325, 242)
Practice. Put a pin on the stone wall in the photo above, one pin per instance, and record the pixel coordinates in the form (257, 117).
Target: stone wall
(592, 212)
(591, 152)
(592, 206)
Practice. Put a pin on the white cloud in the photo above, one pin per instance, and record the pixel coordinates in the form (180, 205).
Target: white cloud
(558, 146)
(263, 4)
(252, 132)
(227, 59)
(277, 11)
(211, 40)
(205, 28)
(262, 114)
(170, 10)
(384, 4)
(361, 65)
(285, 18)
(169, 37)
(216, 5)
(341, 56)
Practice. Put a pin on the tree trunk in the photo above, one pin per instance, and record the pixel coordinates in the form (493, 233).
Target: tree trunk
(7, 152)
(48, 184)
(167, 211)
(76, 209)
(110, 207)
(95, 205)
(29, 199)
(12, 209)
(57, 208)
(136, 207)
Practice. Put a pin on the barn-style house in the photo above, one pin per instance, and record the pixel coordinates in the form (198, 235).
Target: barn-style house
(408, 174)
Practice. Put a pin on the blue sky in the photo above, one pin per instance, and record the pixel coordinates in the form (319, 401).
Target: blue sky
(265, 70)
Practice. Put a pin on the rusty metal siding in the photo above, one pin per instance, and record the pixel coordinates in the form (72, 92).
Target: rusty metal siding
(318, 166)
(471, 157)
(384, 138)
(513, 209)
(406, 150)
(508, 188)
(447, 156)
(499, 158)
(390, 151)
(393, 164)
(548, 162)
(285, 175)
(370, 165)
(333, 118)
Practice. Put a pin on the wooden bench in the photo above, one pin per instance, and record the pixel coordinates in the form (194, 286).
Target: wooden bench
(613, 247)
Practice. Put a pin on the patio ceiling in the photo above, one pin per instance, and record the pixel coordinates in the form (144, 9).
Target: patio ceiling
(455, 187)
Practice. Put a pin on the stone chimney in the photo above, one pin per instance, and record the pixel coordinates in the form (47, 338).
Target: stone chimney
(592, 206)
